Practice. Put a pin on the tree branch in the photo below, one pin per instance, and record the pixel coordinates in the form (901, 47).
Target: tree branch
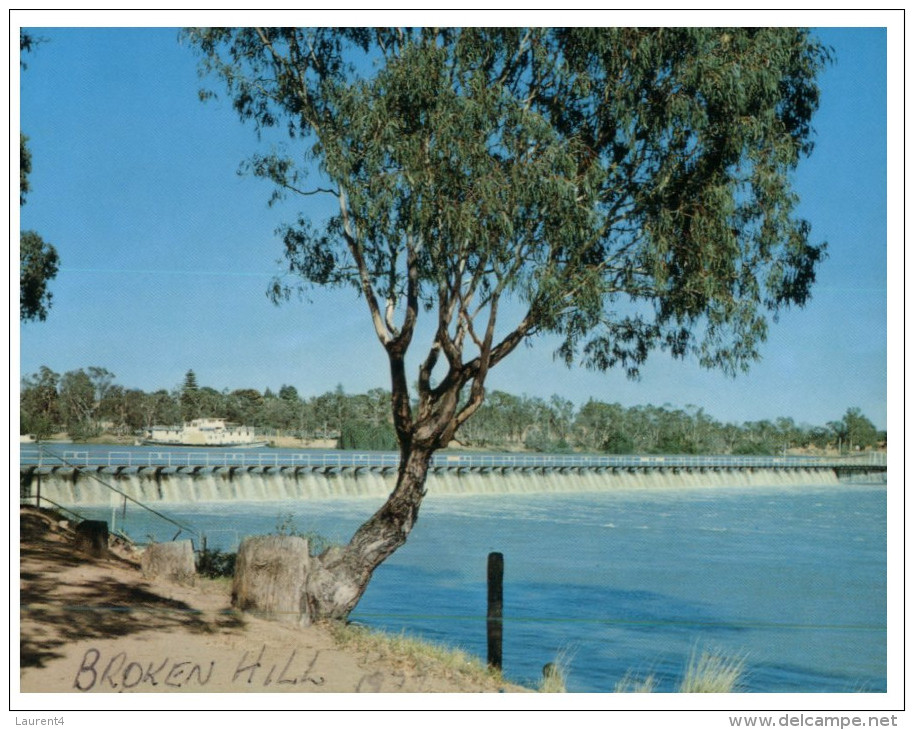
(355, 248)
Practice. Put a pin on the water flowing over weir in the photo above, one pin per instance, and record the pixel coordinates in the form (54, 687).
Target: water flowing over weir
(150, 485)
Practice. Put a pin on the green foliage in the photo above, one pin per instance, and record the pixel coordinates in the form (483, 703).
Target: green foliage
(41, 427)
(858, 430)
(362, 436)
(25, 167)
(618, 443)
(216, 564)
(631, 187)
(38, 260)
(752, 449)
(38, 264)
(538, 440)
(190, 397)
(317, 543)
(82, 430)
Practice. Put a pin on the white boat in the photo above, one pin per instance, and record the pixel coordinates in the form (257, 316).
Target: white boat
(208, 432)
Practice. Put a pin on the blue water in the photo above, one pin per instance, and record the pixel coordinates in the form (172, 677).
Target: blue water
(792, 579)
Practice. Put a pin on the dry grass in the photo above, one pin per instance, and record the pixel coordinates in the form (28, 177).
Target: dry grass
(555, 672)
(707, 671)
(631, 683)
(415, 655)
(712, 672)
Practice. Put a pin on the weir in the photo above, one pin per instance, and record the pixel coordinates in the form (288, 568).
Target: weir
(103, 478)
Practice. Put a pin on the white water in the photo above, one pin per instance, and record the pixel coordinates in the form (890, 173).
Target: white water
(94, 489)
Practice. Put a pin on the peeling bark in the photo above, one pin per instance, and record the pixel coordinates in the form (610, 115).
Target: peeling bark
(339, 577)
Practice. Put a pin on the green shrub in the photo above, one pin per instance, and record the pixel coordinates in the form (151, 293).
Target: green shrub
(216, 564)
(317, 543)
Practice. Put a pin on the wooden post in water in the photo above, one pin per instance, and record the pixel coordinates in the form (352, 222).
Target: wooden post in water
(38, 475)
(496, 571)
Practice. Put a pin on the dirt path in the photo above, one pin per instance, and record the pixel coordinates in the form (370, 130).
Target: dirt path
(96, 625)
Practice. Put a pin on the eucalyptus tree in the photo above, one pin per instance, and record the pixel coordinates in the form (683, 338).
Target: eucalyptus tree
(38, 264)
(858, 430)
(604, 427)
(39, 403)
(78, 403)
(162, 408)
(38, 259)
(625, 189)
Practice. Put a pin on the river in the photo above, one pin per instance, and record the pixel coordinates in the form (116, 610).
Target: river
(624, 581)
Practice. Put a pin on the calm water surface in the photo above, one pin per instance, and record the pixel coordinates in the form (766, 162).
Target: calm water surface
(792, 579)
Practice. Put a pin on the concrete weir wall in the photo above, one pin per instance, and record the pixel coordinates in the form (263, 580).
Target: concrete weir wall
(107, 485)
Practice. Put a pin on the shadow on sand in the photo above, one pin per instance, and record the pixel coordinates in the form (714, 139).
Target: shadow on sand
(59, 603)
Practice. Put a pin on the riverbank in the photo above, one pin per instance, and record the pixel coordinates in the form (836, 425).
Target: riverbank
(96, 625)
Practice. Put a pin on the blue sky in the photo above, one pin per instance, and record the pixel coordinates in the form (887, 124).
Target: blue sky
(167, 253)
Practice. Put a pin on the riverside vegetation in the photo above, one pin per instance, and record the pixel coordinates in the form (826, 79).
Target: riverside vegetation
(88, 403)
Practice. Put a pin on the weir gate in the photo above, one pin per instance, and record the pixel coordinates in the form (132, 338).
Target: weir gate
(64, 463)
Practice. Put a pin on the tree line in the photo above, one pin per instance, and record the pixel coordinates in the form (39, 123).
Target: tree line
(89, 403)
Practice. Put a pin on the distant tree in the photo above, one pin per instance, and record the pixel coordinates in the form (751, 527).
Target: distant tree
(39, 403)
(502, 421)
(617, 442)
(133, 406)
(289, 393)
(243, 406)
(859, 431)
(561, 416)
(818, 436)
(675, 432)
(78, 404)
(211, 403)
(161, 409)
(626, 189)
(190, 383)
(839, 434)
(331, 411)
(378, 406)
(190, 397)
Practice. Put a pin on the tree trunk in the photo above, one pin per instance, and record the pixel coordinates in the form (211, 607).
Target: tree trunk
(338, 578)
(269, 576)
(171, 561)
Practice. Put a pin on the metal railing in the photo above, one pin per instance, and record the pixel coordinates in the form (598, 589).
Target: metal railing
(71, 459)
(144, 459)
